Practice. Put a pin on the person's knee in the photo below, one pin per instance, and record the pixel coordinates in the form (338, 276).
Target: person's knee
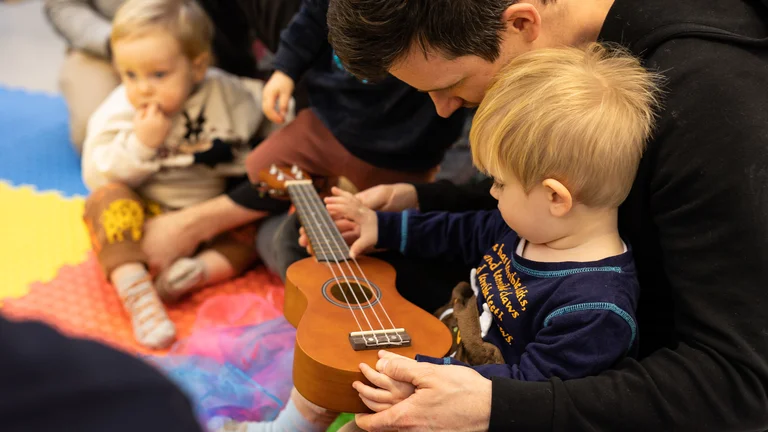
(104, 196)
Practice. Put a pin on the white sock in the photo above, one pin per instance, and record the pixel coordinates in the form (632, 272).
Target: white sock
(183, 276)
(151, 325)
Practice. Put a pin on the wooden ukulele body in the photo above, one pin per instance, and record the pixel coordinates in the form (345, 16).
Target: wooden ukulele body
(325, 365)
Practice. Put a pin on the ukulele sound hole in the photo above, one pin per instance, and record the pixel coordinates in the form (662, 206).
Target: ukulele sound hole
(362, 292)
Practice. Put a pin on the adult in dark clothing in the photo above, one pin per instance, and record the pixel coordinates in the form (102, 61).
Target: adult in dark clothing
(697, 216)
(49, 382)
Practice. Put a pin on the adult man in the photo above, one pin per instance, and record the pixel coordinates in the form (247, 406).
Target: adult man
(697, 216)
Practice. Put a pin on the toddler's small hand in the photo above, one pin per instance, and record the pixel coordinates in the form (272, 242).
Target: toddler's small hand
(343, 205)
(151, 126)
(388, 393)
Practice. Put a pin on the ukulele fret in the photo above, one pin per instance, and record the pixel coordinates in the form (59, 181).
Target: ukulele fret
(377, 339)
(327, 242)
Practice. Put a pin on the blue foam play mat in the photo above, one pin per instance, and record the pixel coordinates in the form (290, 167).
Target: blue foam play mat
(34, 144)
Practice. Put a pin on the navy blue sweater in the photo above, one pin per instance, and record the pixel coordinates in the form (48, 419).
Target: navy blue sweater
(566, 320)
(387, 124)
(49, 382)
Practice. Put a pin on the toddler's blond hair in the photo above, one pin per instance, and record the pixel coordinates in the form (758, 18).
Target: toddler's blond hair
(579, 116)
(185, 19)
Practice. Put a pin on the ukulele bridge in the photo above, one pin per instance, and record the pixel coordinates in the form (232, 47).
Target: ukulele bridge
(377, 339)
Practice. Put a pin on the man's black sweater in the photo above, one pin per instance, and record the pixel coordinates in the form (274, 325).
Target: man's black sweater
(697, 218)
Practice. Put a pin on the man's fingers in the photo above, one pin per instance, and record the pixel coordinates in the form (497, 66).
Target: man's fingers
(403, 369)
(384, 421)
(375, 406)
(390, 355)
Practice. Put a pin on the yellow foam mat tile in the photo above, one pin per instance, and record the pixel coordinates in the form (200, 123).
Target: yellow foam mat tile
(39, 233)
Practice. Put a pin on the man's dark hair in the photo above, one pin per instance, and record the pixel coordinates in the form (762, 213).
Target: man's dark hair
(369, 36)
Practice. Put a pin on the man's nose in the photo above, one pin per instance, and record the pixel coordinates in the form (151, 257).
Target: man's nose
(446, 105)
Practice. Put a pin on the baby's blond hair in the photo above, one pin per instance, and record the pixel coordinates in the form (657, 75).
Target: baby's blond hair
(579, 116)
(185, 19)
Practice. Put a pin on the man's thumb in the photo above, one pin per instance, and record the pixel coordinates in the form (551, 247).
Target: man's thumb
(402, 369)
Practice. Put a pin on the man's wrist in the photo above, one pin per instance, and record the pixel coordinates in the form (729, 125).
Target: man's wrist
(192, 226)
(410, 197)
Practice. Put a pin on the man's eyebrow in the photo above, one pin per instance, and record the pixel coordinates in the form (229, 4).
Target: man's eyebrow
(442, 88)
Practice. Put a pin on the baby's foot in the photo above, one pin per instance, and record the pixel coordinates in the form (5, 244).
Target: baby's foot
(151, 325)
(181, 277)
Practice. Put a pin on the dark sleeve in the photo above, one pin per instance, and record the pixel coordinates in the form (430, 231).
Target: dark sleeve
(267, 18)
(245, 195)
(446, 196)
(573, 344)
(51, 382)
(709, 203)
(305, 38)
(451, 236)
(232, 41)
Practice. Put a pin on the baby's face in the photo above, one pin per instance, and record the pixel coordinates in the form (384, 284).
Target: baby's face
(154, 70)
(527, 213)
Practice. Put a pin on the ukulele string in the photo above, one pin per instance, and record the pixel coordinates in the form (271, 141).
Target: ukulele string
(383, 309)
(331, 227)
(323, 212)
(301, 198)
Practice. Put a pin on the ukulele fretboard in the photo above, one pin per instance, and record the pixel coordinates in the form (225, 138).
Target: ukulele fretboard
(326, 240)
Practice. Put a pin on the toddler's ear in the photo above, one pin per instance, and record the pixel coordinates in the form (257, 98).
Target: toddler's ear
(560, 198)
(200, 66)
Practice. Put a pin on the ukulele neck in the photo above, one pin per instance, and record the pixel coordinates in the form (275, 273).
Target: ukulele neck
(326, 240)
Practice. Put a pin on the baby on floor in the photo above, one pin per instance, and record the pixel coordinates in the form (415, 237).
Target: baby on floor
(169, 137)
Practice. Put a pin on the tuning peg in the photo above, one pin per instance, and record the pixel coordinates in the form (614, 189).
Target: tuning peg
(299, 175)
(280, 176)
(273, 169)
(294, 169)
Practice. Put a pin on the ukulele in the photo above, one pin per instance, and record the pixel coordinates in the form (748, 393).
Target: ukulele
(344, 309)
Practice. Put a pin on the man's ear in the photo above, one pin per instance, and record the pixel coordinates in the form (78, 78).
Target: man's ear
(560, 198)
(200, 66)
(522, 19)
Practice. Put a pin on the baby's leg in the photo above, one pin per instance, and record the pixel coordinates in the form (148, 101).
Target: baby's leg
(228, 256)
(299, 415)
(114, 215)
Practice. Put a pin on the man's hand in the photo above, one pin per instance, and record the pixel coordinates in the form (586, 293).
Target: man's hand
(392, 197)
(277, 94)
(151, 126)
(166, 239)
(447, 398)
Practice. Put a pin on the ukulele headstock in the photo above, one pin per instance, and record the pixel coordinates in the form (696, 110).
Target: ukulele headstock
(272, 181)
